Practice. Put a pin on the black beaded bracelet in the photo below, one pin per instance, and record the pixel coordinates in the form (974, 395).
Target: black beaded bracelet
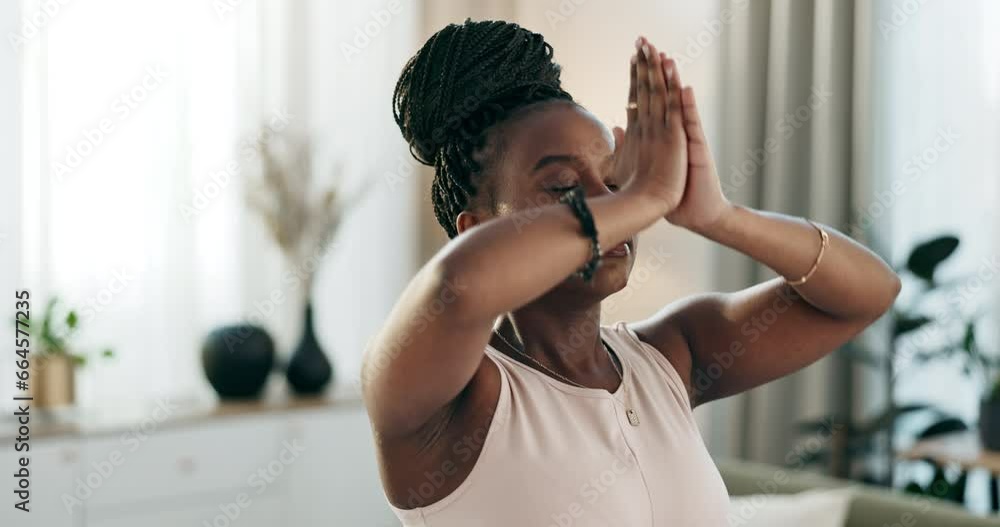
(575, 199)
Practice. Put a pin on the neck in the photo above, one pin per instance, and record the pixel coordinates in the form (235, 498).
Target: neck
(564, 340)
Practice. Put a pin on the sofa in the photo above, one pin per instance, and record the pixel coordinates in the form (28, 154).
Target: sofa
(869, 506)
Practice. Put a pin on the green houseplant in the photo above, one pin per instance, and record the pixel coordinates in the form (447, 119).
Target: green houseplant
(862, 444)
(52, 368)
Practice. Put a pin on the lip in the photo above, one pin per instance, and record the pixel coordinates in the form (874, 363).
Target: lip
(621, 250)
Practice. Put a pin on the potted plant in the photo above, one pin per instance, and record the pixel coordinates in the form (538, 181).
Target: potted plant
(51, 370)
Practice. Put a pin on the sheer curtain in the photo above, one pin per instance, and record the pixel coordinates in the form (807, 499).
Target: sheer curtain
(939, 79)
(137, 122)
(942, 128)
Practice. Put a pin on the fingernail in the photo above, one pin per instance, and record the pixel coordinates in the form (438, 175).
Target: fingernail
(638, 42)
(635, 58)
(645, 50)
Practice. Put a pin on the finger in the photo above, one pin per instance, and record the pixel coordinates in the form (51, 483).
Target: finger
(657, 88)
(632, 113)
(692, 119)
(664, 69)
(642, 82)
(695, 132)
(675, 120)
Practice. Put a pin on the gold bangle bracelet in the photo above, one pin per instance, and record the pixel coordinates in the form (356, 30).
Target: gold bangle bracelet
(824, 242)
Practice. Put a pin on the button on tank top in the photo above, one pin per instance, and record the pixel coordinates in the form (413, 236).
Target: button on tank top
(558, 455)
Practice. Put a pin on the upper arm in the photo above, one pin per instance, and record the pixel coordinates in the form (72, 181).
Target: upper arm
(736, 341)
(424, 356)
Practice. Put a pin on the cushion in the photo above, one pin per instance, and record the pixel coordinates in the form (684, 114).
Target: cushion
(813, 508)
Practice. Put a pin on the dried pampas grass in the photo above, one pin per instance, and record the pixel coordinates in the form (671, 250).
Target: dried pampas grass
(301, 211)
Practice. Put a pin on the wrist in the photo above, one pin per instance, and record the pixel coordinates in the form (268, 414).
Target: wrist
(637, 197)
(717, 228)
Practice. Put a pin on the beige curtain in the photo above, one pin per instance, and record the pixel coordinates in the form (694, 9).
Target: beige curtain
(793, 139)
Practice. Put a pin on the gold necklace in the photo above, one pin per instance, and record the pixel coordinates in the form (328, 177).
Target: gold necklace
(539, 364)
(633, 417)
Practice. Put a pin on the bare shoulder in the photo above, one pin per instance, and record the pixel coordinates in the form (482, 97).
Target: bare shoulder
(673, 330)
(426, 466)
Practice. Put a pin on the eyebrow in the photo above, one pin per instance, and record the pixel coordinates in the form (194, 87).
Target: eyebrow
(566, 159)
(555, 159)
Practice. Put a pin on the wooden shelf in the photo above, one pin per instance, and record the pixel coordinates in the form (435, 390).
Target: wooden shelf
(169, 413)
(962, 449)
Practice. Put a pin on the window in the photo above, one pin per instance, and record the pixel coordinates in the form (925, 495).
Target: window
(938, 101)
(133, 115)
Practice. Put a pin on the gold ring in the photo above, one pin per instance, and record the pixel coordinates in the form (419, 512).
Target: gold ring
(632, 105)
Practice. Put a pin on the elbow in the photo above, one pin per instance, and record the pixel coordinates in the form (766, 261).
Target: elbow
(451, 290)
(895, 285)
(872, 299)
(886, 297)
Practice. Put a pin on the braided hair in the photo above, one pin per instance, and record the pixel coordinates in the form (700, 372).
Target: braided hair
(464, 80)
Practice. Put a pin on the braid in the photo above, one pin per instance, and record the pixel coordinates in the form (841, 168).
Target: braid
(464, 80)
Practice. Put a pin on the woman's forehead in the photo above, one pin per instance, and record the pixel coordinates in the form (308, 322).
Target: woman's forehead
(557, 130)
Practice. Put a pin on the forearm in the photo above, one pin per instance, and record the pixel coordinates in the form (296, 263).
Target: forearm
(508, 261)
(850, 282)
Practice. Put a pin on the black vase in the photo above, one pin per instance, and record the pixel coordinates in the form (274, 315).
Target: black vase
(309, 371)
(989, 423)
(237, 360)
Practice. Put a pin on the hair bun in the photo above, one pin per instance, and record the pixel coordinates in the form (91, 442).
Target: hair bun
(465, 78)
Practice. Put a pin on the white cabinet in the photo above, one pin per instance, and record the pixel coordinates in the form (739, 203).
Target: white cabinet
(172, 463)
(259, 513)
(336, 483)
(305, 467)
(53, 466)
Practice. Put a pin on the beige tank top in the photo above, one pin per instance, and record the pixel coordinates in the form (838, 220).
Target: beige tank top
(558, 455)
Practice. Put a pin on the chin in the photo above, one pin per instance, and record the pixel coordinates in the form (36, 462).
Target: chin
(611, 277)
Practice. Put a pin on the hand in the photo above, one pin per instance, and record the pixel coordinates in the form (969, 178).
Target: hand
(703, 205)
(652, 152)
